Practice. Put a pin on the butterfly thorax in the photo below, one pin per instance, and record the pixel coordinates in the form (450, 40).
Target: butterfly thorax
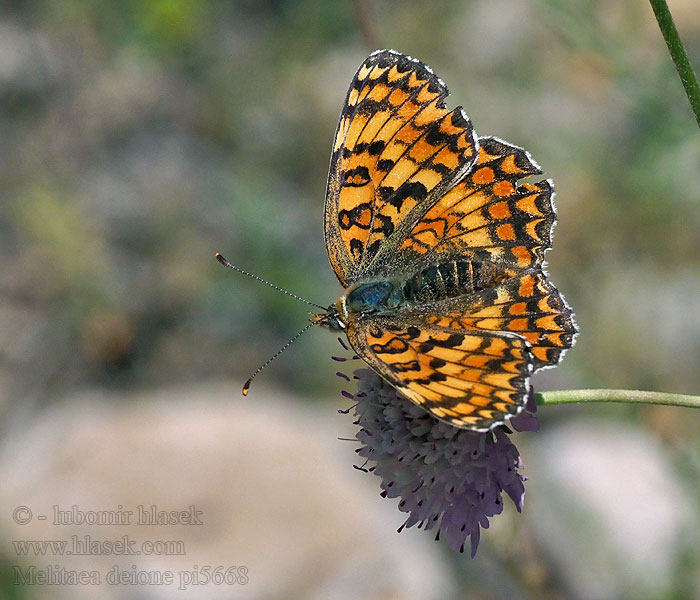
(449, 279)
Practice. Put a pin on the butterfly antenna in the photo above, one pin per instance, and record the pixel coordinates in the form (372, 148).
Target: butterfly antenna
(246, 385)
(224, 262)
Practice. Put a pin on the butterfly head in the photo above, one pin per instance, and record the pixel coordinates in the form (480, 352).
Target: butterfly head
(335, 317)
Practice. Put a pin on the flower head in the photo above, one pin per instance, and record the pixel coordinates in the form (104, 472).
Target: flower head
(447, 478)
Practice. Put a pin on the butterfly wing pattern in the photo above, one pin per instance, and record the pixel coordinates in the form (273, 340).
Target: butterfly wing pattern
(415, 199)
(463, 377)
(397, 149)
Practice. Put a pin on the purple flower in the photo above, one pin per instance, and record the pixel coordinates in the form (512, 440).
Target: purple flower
(447, 478)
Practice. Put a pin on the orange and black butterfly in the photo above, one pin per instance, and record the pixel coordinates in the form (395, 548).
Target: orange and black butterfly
(440, 251)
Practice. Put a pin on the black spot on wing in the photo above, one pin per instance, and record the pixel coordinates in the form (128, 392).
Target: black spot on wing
(356, 249)
(383, 224)
(353, 218)
(435, 137)
(385, 165)
(413, 332)
(369, 107)
(453, 340)
(375, 148)
(356, 177)
(411, 365)
(412, 189)
(395, 346)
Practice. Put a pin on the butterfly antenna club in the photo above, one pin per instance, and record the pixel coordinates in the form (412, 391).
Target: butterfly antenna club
(224, 262)
(246, 385)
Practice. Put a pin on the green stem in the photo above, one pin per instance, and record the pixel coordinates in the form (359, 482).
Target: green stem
(629, 396)
(678, 54)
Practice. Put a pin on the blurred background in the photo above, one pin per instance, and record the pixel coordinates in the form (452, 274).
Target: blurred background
(137, 138)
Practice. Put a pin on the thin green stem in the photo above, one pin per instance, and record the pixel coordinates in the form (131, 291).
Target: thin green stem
(628, 396)
(678, 54)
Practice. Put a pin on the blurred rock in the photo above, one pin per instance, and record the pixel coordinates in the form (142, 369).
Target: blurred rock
(276, 488)
(608, 509)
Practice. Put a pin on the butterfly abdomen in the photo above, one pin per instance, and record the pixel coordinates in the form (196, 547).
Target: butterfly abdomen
(450, 279)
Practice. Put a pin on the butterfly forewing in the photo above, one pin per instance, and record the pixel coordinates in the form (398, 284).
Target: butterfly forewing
(397, 149)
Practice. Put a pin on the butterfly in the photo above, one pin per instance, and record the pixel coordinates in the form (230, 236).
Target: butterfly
(440, 249)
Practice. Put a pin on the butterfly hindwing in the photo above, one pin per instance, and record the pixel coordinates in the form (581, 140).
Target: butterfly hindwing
(527, 305)
(397, 148)
(473, 379)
